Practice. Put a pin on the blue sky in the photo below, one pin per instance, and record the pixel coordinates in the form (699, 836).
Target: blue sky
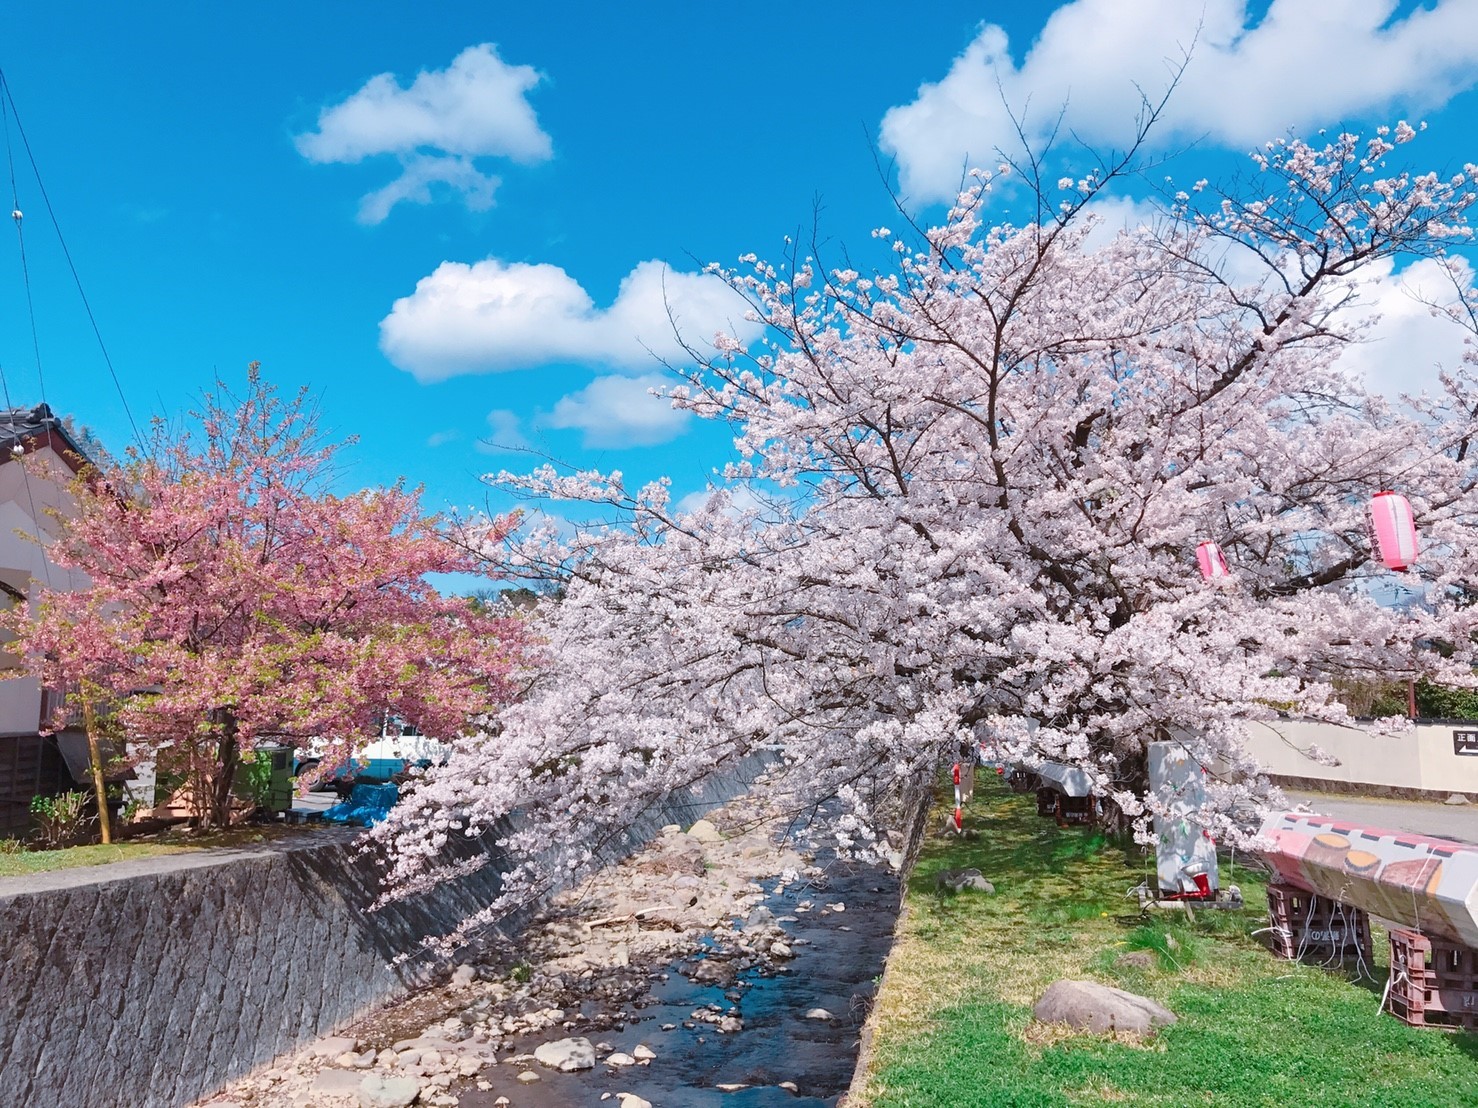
(242, 183)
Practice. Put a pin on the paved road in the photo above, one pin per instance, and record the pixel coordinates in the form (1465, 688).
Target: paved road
(1457, 821)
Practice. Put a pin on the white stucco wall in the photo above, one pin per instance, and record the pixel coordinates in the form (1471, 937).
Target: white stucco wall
(39, 481)
(1422, 758)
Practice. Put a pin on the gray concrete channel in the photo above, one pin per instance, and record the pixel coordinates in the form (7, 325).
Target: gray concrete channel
(155, 982)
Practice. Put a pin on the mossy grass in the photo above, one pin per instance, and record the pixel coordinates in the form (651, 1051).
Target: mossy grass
(21, 863)
(44, 861)
(954, 1024)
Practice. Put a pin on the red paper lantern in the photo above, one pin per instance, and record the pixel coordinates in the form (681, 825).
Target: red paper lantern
(1395, 529)
(1213, 563)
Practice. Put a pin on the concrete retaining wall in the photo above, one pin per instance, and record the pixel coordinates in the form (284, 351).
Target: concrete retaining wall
(154, 983)
(1421, 761)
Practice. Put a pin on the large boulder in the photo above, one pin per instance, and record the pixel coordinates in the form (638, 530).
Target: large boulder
(383, 1091)
(705, 832)
(566, 1054)
(1094, 1007)
(958, 880)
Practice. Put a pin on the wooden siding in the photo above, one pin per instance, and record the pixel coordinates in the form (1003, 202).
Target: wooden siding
(30, 765)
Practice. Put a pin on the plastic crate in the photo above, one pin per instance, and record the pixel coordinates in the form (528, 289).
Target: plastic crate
(1313, 928)
(1434, 982)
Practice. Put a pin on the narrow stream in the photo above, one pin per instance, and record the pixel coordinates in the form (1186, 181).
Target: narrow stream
(838, 958)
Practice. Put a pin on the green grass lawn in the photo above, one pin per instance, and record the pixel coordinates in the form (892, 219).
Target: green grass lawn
(21, 863)
(954, 1011)
(42, 861)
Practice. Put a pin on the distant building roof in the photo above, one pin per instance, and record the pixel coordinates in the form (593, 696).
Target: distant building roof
(33, 428)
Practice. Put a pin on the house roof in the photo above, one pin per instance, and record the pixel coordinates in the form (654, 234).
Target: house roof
(34, 428)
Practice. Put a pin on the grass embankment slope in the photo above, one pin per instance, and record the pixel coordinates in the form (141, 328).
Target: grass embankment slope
(954, 1025)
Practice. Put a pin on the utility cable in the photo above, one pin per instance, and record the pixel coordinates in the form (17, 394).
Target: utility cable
(18, 217)
(9, 100)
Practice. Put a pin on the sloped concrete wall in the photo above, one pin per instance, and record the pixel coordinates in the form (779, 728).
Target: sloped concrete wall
(156, 982)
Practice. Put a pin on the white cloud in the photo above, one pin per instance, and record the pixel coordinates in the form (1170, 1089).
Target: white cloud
(620, 411)
(494, 316)
(738, 500)
(1118, 213)
(505, 433)
(441, 438)
(476, 107)
(1404, 350)
(1304, 64)
(417, 177)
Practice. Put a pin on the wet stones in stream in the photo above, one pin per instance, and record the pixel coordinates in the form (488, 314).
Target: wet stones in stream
(688, 976)
(732, 1024)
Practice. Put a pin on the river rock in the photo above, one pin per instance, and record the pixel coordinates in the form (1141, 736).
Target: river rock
(337, 1082)
(958, 880)
(1095, 1007)
(620, 1058)
(819, 1014)
(713, 971)
(643, 1053)
(631, 1100)
(705, 832)
(333, 1046)
(759, 917)
(674, 855)
(464, 975)
(379, 1091)
(566, 1055)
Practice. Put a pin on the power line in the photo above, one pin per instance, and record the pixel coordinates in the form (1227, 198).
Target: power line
(8, 101)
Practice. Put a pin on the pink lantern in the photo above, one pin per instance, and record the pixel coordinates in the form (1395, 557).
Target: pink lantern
(1213, 563)
(1395, 529)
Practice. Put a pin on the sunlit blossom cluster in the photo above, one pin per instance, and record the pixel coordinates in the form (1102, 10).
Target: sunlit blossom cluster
(973, 490)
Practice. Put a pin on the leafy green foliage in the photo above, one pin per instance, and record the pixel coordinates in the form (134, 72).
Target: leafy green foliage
(1390, 698)
(61, 818)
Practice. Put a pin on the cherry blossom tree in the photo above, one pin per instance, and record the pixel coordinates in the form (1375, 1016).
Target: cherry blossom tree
(234, 599)
(965, 507)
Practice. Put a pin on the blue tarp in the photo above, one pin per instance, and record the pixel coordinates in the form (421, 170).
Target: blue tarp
(367, 805)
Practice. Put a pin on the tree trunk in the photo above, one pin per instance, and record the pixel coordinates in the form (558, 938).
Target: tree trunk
(94, 751)
(227, 759)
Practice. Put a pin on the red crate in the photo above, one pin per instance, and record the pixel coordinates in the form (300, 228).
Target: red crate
(1434, 982)
(1313, 928)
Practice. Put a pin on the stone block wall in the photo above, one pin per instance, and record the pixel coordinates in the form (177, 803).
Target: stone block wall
(153, 983)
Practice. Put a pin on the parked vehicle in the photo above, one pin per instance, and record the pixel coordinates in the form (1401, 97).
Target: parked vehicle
(386, 758)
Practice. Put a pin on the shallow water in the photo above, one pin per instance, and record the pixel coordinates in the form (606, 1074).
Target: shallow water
(835, 967)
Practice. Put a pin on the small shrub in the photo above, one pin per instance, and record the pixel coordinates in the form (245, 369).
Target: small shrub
(61, 818)
(12, 846)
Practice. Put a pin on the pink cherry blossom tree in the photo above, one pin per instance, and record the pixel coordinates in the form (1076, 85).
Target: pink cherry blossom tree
(235, 599)
(965, 506)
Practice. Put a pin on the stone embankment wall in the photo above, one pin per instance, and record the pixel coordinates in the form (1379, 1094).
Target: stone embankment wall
(153, 983)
